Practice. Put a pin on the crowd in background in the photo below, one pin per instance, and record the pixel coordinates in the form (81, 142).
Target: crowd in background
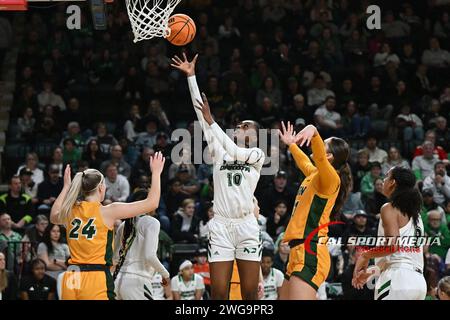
(95, 99)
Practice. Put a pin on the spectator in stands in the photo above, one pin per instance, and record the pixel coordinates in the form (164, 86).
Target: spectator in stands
(377, 200)
(49, 98)
(185, 224)
(412, 127)
(438, 151)
(329, 121)
(148, 138)
(281, 254)
(439, 183)
(31, 163)
(384, 56)
(18, 205)
(394, 159)
(71, 154)
(375, 154)
(117, 185)
(429, 205)
(298, 109)
(349, 292)
(423, 165)
(361, 168)
(436, 57)
(318, 94)
(131, 126)
(35, 234)
(276, 192)
(53, 251)
(93, 154)
(26, 125)
(189, 185)
(49, 190)
(38, 285)
(201, 267)
(174, 196)
(277, 222)
(12, 239)
(380, 110)
(142, 166)
(74, 113)
(117, 159)
(57, 159)
(74, 132)
(443, 289)
(394, 29)
(355, 124)
(436, 229)
(359, 226)
(353, 202)
(8, 281)
(104, 139)
(442, 133)
(29, 187)
(368, 181)
(187, 285)
(207, 216)
(270, 91)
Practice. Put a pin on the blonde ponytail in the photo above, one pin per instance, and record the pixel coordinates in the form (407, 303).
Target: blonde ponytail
(83, 184)
(71, 197)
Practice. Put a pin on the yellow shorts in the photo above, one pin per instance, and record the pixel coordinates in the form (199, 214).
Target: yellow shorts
(87, 285)
(313, 269)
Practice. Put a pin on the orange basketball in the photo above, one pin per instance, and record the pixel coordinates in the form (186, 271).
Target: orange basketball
(182, 29)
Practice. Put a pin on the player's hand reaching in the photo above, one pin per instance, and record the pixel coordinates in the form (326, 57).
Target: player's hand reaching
(360, 273)
(184, 65)
(157, 163)
(287, 134)
(306, 135)
(203, 106)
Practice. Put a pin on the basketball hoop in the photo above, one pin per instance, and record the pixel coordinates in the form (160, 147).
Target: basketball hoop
(150, 18)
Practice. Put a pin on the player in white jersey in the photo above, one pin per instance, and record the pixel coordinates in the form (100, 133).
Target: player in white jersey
(187, 285)
(233, 232)
(401, 268)
(272, 278)
(136, 246)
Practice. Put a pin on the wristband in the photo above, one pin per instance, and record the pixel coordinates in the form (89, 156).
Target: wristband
(28, 218)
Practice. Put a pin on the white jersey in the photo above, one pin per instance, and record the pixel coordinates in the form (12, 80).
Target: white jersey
(141, 258)
(271, 284)
(187, 289)
(411, 257)
(157, 288)
(236, 170)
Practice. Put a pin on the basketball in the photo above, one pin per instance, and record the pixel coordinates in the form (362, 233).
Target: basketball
(182, 30)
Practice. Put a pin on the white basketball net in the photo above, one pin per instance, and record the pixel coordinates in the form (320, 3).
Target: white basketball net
(150, 18)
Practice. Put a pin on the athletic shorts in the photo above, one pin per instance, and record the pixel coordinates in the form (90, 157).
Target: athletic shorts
(313, 269)
(86, 285)
(401, 283)
(133, 287)
(231, 239)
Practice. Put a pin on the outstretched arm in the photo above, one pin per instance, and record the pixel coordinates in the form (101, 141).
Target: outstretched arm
(328, 178)
(287, 135)
(248, 155)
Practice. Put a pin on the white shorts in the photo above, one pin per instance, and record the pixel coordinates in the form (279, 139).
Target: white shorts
(400, 283)
(231, 239)
(130, 286)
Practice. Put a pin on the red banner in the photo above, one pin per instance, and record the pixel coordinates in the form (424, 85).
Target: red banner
(13, 5)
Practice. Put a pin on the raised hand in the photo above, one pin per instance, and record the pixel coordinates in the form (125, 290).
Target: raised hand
(157, 163)
(287, 134)
(67, 177)
(306, 135)
(184, 65)
(203, 106)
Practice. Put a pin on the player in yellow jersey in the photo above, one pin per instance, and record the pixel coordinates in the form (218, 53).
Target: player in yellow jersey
(90, 228)
(322, 192)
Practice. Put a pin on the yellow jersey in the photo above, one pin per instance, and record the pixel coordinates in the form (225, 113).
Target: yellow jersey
(317, 193)
(90, 240)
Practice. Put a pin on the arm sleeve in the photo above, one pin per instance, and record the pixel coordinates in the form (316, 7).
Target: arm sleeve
(302, 160)
(328, 178)
(151, 233)
(248, 155)
(213, 146)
